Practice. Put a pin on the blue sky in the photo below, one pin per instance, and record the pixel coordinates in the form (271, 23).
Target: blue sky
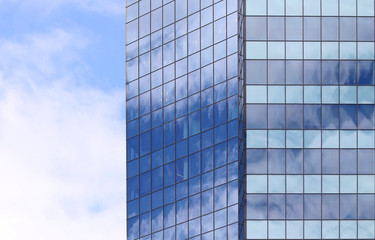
(62, 133)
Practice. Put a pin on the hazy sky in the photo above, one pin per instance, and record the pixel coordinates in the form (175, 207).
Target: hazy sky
(62, 133)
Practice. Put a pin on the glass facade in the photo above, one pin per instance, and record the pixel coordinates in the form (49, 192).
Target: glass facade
(250, 119)
(310, 119)
(185, 105)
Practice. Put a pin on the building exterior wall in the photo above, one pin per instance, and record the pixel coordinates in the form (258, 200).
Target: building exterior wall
(184, 105)
(310, 119)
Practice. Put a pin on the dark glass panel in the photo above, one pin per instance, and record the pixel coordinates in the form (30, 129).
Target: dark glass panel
(293, 28)
(256, 116)
(276, 206)
(312, 116)
(366, 161)
(220, 197)
(220, 154)
(133, 208)
(145, 143)
(256, 161)
(312, 161)
(276, 116)
(329, 28)
(276, 28)
(157, 178)
(276, 72)
(276, 161)
(294, 206)
(294, 116)
(312, 28)
(157, 199)
(348, 206)
(348, 116)
(133, 188)
(133, 228)
(348, 161)
(207, 139)
(330, 161)
(365, 72)
(330, 116)
(366, 204)
(194, 164)
(294, 161)
(365, 29)
(132, 168)
(220, 112)
(256, 28)
(233, 150)
(312, 72)
(157, 138)
(181, 149)
(256, 72)
(348, 29)
(330, 206)
(294, 72)
(348, 72)
(220, 133)
(256, 206)
(220, 175)
(145, 203)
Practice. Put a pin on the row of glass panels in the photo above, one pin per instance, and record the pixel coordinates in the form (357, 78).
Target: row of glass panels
(310, 139)
(310, 229)
(310, 7)
(310, 184)
(310, 50)
(310, 94)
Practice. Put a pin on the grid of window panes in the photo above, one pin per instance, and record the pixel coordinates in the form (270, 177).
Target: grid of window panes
(182, 119)
(310, 119)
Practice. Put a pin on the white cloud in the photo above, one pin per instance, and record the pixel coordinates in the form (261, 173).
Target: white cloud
(112, 7)
(62, 144)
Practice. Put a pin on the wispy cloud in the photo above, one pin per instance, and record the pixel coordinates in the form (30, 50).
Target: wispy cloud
(112, 7)
(62, 146)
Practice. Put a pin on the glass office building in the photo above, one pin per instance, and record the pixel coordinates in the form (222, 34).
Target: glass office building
(250, 119)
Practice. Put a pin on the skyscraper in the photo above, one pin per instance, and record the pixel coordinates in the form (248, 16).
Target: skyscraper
(250, 119)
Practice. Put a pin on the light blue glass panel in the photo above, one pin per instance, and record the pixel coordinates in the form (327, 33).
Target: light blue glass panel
(348, 94)
(312, 139)
(348, 7)
(256, 50)
(348, 229)
(276, 183)
(276, 94)
(256, 229)
(312, 50)
(294, 50)
(256, 139)
(348, 139)
(330, 7)
(330, 229)
(294, 139)
(276, 50)
(347, 50)
(275, 7)
(312, 229)
(256, 184)
(365, 50)
(366, 183)
(294, 183)
(366, 139)
(330, 94)
(330, 138)
(312, 183)
(348, 184)
(312, 94)
(276, 139)
(366, 229)
(256, 7)
(330, 183)
(256, 94)
(365, 7)
(366, 95)
(311, 8)
(330, 50)
(294, 229)
(294, 94)
(294, 7)
(276, 229)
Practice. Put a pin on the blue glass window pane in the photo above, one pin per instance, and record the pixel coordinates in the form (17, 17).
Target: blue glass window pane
(169, 215)
(169, 174)
(294, 161)
(365, 33)
(330, 72)
(312, 161)
(169, 194)
(220, 71)
(207, 118)
(194, 185)
(181, 231)
(195, 143)
(145, 123)
(157, 178)
(169, 93)
(256, 72)
(348, 116)
(207, 139)
(276, 29)
(145, 103)
(294, 116)
(207, 76)
(181, 149)
(169, 133)
(294, 73)
(145, 183)
(276, 72)
(220, 91)
(330, 116)
(145, 221)
(233, 128)
(181, 128)
(312, 205)
(312, 72)
(132, 109)
(220, 175)
(220, 112)
(348, 29)
(181, 169)
(293, 28)
(348, 161)
(194, 164)
(194, 206)
(220, 133)
(294, 206)
(276, 206)
(276, 116)
(194, 123)
(157, 138)
(157, 118)
(207, 202)
(365, 72)
(157, 199)
(256, 116)
(181, 87)
(276, 161)
(133, 228)
(132, 148)
(132, 168)
(330, 206)
(233, 150)
(233, 171)
(256, 161)
(181, 108)
(169, 154)
(169, 113)
(157, 216)
(220, 199)
(220, 154)
(330, 161)
(145, 203)
(194, 102)
(133, 188)
(366, 205)
(181, 190)
(312, 116)
(330, 28)
(145, 143)
(181, 210)
(348, 206)
(348, 72)
(133, 208)
(366, 161)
